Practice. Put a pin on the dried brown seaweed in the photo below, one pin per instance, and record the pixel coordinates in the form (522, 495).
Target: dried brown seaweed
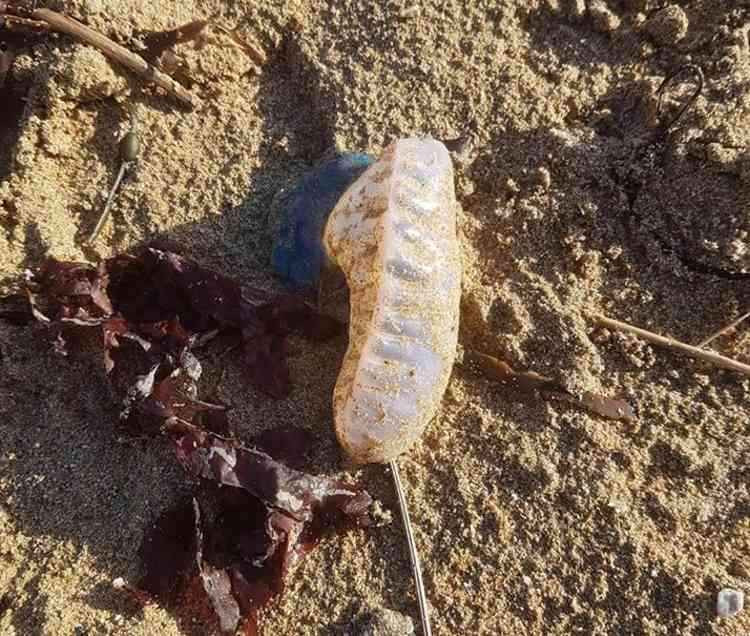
(165, 303)
(247, 533)
(530, 382)
(217, 558)
(290, 491)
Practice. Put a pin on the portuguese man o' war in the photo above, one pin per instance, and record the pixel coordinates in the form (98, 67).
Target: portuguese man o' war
(393, 233)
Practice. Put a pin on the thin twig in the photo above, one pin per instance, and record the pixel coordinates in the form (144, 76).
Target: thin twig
(675, 345)
(108, 205)
(134, 62)
(413, 555)
(14, 22)
(724, 330)
(256, 54)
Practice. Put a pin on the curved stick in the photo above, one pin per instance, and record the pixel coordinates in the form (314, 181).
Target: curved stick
(69, 26)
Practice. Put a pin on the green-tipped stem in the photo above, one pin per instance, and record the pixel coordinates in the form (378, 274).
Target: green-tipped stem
(105, 213)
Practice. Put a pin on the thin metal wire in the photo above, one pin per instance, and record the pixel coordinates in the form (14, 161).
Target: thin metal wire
(413, 555)
(683, 70)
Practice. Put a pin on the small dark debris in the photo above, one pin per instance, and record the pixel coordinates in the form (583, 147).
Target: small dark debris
(158, 42)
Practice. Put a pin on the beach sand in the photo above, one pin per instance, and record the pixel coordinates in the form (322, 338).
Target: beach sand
(531, 517)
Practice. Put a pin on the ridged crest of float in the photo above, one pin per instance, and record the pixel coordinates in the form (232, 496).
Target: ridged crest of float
(393, 233)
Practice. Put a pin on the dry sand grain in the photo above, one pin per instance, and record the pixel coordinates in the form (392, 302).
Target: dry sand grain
(531, 518)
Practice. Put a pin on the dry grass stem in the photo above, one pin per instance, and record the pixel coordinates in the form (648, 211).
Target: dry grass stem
(725, 329)
(675, 345)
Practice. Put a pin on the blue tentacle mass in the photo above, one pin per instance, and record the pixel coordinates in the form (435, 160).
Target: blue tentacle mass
(298, 255)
